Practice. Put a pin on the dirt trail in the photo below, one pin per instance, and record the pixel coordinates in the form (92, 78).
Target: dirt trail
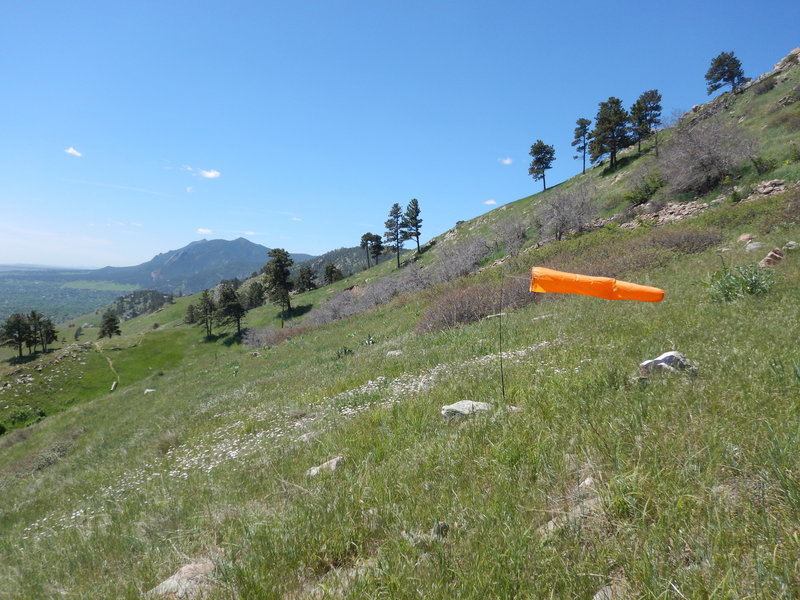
(110, 362)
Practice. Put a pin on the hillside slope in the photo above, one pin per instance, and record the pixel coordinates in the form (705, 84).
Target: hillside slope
(583, 477)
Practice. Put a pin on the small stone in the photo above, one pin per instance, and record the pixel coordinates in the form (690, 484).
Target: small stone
(464, 408)
(149, 391)
(190, 581)
(745, 237)
(394, 353)
(753, 246)
(667, 362)
(773, 258)
(791, 246)
(330, 465)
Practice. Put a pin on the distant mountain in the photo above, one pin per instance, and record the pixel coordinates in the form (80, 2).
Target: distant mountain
(193, 268)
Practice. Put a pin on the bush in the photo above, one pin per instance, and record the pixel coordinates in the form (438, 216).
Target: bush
(261, 337)
(729, 284)
(566, 210)
(644, 188)
(473, 303)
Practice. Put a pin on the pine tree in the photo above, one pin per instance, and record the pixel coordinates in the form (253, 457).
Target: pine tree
(15, 332)
(304, 280)
(230, 308)
(610, 133)
(365, 241)
(393, 236)
(581, 141)
(109, 326)
(645, 116)
(411, 222)
(47, 334)
(376, 248)
(543, 157)
(332, 274)
(725, 69)
(204, 313)
(278, 283)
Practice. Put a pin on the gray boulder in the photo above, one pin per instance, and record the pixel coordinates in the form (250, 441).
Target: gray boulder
(666, 363)
(464, 408)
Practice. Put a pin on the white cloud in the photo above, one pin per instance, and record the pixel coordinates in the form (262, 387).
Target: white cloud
(296, 219)
(210, 174)
(490, 202)
(72, 151)
(204, 231)
(249, 233)
(505, 161)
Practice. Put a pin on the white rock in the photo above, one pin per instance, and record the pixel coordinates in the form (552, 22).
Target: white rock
(394, 353)
(330, 465)
(149, 391)
(464, 407)
(668, 362)
(752, 246)
(791, 246)
(189, 581)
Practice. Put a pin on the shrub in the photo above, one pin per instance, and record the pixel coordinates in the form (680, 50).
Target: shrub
(260, 337)
(644, 188)
(566, 210)
(728, 284)
(688, 240)
(469, 304)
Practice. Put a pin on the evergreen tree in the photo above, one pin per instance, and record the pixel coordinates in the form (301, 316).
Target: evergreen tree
(15, 332)
(47, 334)
(543, 157)
(254, 294)
(109, 326)
(277, 282)
(332, 273)
(230, 308)
(376, 248)
(365, 243)
(645, 116)
(393, 236)
(725, 69)
(35, 323)
(411, 222)
(581, 141)
(304, 280)
(190, 318)
(610, 134)
(204, 313)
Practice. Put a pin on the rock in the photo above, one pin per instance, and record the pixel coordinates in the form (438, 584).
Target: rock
(791, 246)
(753, 246)
(773, 258)
(616, 590)
(113, 385)
(330, 465)
(745, 237)
(190, 581)
(149, 391)
(464, 408)
(667, 362)
(394, 353)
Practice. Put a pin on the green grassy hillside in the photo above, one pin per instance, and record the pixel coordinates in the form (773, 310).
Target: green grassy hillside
(581, 477)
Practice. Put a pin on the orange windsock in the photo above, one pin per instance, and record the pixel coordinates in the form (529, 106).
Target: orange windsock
(559, 282)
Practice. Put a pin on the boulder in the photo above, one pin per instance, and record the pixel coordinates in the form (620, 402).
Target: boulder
(753, 246)
(668, 362)
(773, 258)
(464, 408)
(791, 246)
(330, 465)
(190, 581)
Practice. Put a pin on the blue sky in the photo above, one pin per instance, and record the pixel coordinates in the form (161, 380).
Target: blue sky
(135, 127)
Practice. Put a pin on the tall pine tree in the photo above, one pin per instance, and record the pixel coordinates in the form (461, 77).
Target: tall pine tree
(610, 133)
(393, 236)
(411, 222)
(645, 116)
(725, 69)
(581, 139)
(278, 281)
(543, 157)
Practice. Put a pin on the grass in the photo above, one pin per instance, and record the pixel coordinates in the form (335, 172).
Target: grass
(693, 490)
(105, 286)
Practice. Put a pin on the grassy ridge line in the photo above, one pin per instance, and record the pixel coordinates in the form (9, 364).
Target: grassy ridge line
(494, 482)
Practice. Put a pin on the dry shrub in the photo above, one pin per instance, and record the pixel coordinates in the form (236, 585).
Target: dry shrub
(260, 337)
(470, 304)
(686, 241)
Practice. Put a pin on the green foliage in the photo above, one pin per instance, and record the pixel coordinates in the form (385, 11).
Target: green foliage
(645, 115)
(725, 69)
(393, 236)
(109, 326)
(763, 165)
(332, 274)
(581, 139)
(645, 188)
(731, 283)
(411, 222)
(278, 283)
(230, 309)
(543, 156)
(304, 280)
(610, 133)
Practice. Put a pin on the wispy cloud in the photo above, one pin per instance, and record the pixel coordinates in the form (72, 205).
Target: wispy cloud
(73, 152)
(490, 202)
(505, 161)
(210, 174)
(204, 231)
(249, 233)
(296, 219)
(116, 224)
(116, 187)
